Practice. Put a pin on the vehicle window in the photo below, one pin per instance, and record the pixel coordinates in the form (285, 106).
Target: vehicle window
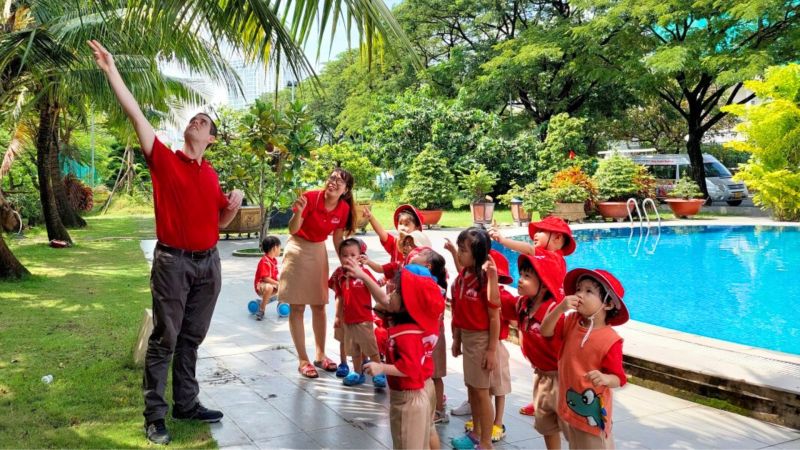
(715, 169)
(685, 170)
(662, 172)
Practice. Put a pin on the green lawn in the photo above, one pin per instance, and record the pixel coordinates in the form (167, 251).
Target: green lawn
(461, 218)
(77, 318)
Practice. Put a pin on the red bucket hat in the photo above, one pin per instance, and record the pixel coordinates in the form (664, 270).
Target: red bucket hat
(500, 261)
(550, 268)
(411, 210)
(554, 225)
(422, 298)
(611, 284)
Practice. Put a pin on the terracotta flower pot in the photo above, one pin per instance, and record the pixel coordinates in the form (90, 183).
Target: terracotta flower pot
(683, 207)
(570, 212)
(613, 210)
(431, 216)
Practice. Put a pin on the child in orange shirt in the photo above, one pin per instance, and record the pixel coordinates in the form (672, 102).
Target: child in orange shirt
(590, 362)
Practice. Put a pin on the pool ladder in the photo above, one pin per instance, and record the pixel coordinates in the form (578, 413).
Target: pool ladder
(652, 249)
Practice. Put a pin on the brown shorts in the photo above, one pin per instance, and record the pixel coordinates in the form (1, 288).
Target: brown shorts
(473, 347)
(338, 334)
(545, 400)
(501, 375)
(430, 391)
(360, 338)
(579, 439)
(262, 286)
(410, 418)
(440, 355)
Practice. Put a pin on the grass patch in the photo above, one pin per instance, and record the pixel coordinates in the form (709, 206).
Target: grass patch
(76, 317)
(457, 218)
(692, 396)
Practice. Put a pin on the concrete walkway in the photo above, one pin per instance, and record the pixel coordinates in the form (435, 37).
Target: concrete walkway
(248, 370)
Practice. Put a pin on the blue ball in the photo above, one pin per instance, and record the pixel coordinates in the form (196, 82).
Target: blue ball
(253, 306)
(283, 309)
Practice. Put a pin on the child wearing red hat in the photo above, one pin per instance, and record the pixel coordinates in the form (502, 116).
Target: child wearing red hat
(541, 277)
(476, 329)
(412, 312)
(590, 362)
(501, 375)
(354, 315)
(550, 233)
(407, 219)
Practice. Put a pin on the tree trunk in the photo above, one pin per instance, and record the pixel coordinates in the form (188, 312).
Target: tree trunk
(69, 217)
(10, 267)
(44, 148)
(695, 151)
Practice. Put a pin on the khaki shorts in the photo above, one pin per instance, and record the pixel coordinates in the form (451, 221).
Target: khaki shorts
(360, 338)
(473, 345)
(410, 418)
(430, 391)
(338, 334)
(501, 375)
(579, 439)
(440, 355)
(545, 400)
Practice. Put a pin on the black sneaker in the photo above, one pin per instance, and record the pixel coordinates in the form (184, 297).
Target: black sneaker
(156, 432)
(200, 413)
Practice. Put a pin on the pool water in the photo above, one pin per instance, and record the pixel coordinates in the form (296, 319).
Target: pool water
(736, 283)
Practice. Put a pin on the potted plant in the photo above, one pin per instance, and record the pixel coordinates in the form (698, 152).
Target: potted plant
(513, 198)
(363, 197)
(569, 202)
(430, 184)
(575, 193)
(474, 185)
(685, 199)
(618, 179)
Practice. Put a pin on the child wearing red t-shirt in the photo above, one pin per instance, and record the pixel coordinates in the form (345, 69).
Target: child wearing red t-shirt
(590, 361)
(551, 233)
(412, 312)
(476, 329)
(266, 279)
(540, 288)
(407, 219)
(354, 315)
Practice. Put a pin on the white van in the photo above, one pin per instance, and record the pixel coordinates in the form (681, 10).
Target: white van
(670, 168)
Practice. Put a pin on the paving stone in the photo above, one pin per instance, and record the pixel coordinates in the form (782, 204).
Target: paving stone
(347, 436)
(289, 441)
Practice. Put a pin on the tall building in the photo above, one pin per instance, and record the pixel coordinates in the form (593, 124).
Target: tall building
(255, 81)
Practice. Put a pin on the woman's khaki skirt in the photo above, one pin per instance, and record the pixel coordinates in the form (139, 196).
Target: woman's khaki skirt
(304, 275)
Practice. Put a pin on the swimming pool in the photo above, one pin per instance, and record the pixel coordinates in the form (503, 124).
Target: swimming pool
(736, 283)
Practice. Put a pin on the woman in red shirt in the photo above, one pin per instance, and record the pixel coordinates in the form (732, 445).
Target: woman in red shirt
(304, 281)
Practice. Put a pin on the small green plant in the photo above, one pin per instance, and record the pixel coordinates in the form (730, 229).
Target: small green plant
(686, 188)
(474, 185)
(430, 182)
(538, 197)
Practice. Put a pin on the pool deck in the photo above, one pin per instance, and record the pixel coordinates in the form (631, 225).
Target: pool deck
(248, 370)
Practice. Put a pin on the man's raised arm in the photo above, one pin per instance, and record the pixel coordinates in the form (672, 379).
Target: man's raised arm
(145, 132)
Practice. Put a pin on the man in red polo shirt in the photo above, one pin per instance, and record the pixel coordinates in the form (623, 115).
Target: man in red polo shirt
(185, 279)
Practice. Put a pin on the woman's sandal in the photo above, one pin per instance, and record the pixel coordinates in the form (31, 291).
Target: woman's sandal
(308, 371)
(527, 410)
(326, 364)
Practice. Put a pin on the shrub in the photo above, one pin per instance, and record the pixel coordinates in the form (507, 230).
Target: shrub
(619, 178)
(28, 206)
(686, 188)
(430, 182)
(575, 177)
(474, 185)
(773, 139)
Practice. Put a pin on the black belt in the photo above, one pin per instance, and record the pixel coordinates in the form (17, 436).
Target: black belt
(187, 253)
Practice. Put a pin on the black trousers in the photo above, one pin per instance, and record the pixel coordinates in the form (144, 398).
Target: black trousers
(185, 288)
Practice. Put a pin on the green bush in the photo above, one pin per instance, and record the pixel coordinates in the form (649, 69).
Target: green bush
(686, 188)
(345, 155)
(28, 206)
(430, 182)
(619, 178)
(773, 139)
